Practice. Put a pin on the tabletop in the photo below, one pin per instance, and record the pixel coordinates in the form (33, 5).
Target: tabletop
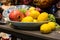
(9, 29)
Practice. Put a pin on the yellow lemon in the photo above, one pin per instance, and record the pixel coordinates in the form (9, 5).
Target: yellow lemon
(34, 20)
(42, 17)
(34, 14)
(31, 8)
(45, 28)
(27, 19)
(52, 25)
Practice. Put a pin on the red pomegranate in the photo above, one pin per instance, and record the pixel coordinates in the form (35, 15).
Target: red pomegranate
(16, 15)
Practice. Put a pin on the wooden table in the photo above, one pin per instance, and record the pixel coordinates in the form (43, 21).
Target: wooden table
(29, 35)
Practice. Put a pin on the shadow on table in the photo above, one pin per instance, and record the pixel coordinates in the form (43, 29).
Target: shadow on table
(27, 28)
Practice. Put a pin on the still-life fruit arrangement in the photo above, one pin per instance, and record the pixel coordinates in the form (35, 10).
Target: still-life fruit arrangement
(35, 15)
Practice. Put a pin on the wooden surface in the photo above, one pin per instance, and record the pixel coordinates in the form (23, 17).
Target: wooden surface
(6, 28)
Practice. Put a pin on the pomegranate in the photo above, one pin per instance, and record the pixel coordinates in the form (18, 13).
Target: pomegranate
(16, 15)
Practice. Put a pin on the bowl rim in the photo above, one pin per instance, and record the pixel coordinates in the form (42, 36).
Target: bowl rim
(28, 22)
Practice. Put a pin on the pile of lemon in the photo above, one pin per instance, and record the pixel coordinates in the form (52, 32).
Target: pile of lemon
(35, 16)
(48, 27)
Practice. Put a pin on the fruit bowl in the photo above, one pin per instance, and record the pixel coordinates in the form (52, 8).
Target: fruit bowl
(21, 25)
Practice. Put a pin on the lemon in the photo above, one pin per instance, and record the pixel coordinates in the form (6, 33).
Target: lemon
(32, 8)
(42, 17)
(34, 14)
(27, 19)
(52, 25)
(45, 28)
(34, 20)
